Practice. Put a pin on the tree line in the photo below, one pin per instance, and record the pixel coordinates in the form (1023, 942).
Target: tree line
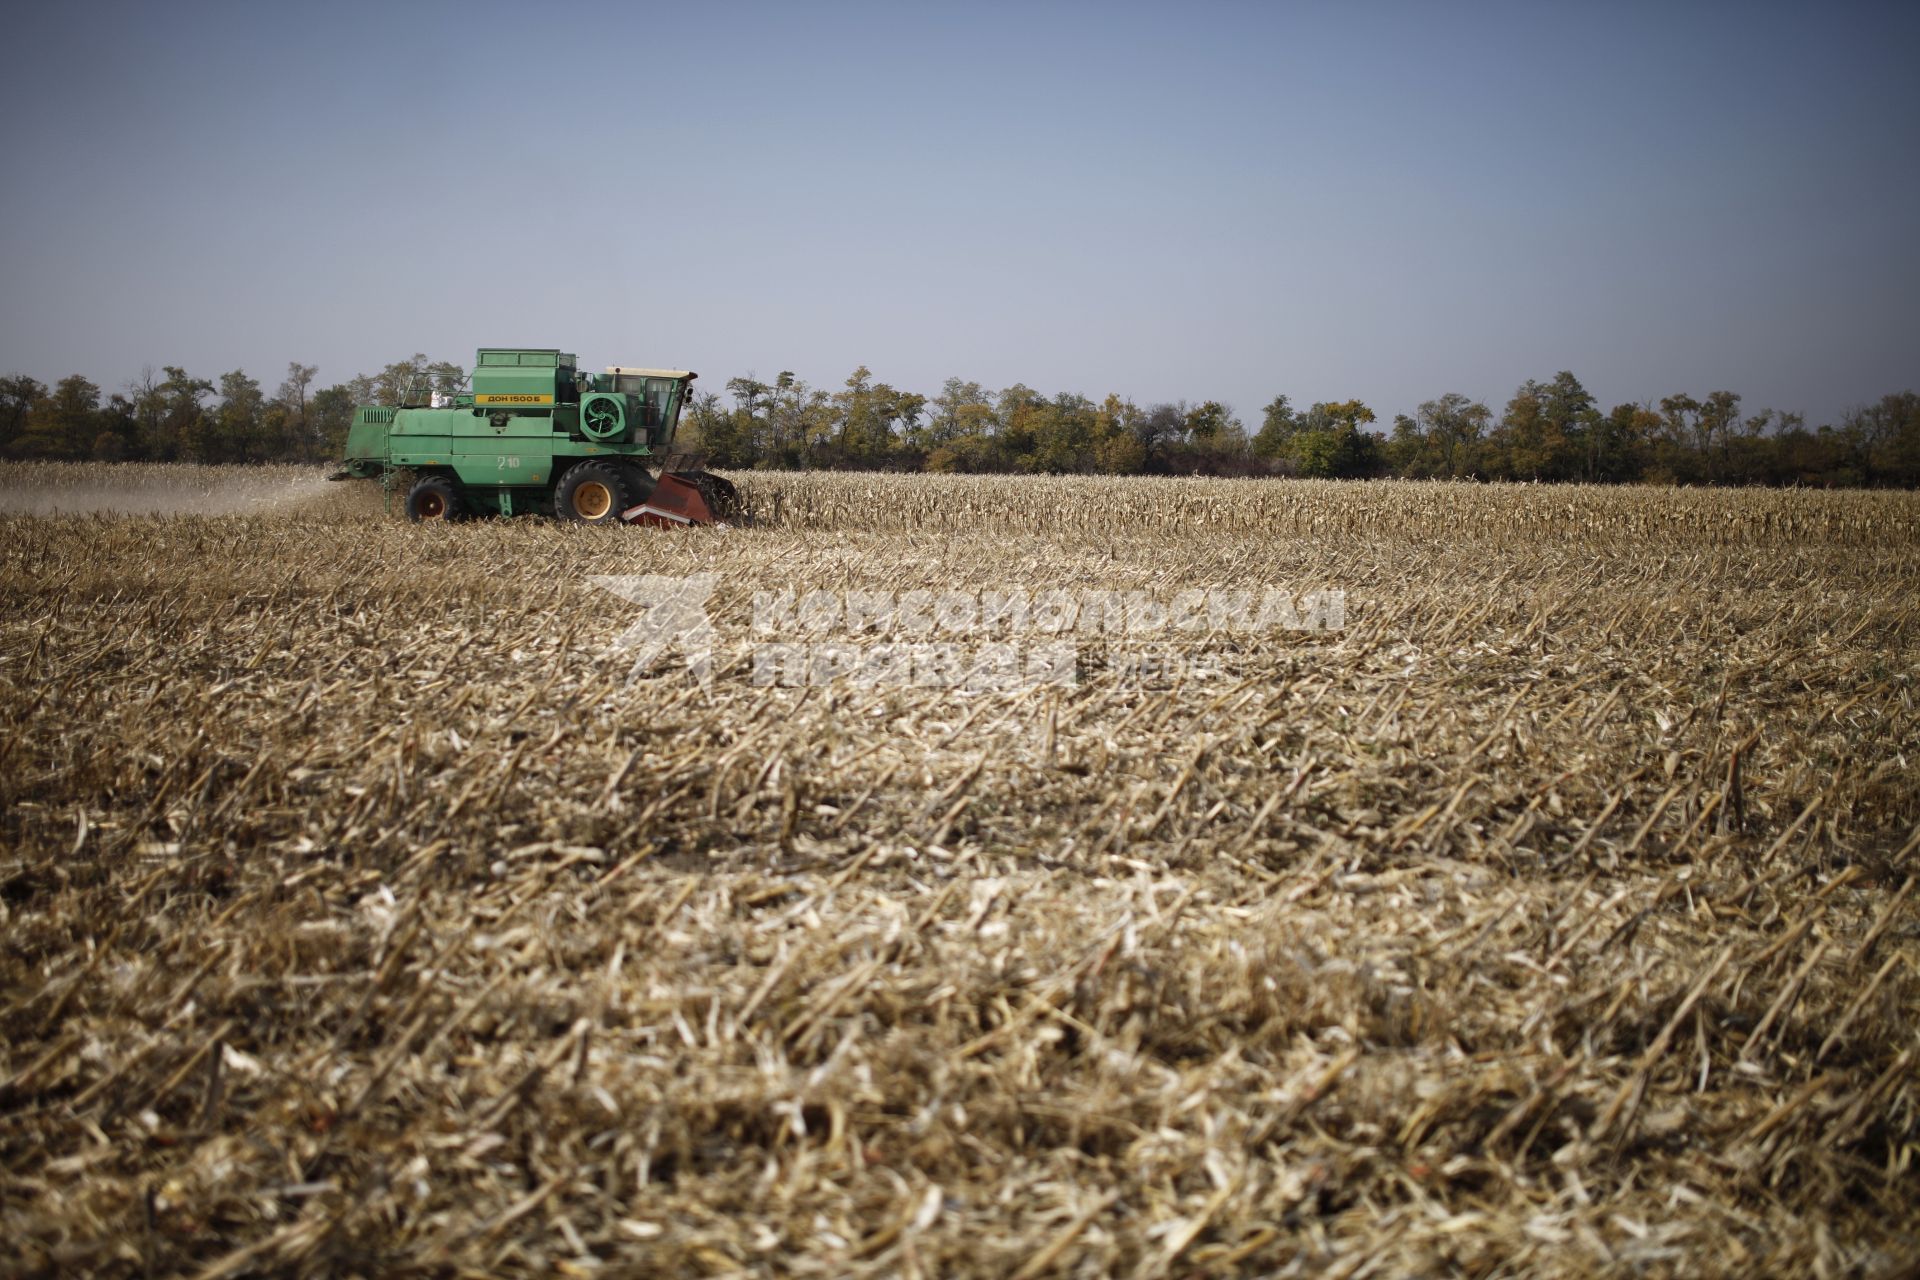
(1549, 430)
(172, 416)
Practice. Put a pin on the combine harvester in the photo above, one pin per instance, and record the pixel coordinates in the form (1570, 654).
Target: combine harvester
(537, 435)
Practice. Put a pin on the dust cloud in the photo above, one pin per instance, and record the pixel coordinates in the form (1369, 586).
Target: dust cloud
(165, 491)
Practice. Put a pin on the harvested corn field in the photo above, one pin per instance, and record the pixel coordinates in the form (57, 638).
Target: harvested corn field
(1548, 908)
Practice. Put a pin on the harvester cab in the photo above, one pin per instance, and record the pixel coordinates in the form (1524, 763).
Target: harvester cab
(535, 433)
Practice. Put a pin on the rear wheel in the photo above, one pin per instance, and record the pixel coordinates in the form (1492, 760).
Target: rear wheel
(433, 498)
(594, 493)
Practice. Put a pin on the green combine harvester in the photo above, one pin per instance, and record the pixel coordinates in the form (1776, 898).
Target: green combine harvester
(535, 434)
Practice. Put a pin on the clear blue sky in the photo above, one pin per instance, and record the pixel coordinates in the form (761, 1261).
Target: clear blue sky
(1165, 201)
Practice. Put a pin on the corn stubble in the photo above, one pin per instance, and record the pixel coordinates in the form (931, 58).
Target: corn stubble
(1555, 917)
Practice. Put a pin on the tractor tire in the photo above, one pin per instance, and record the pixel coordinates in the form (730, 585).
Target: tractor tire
(594, 493)
(433, 498)
(639, 480)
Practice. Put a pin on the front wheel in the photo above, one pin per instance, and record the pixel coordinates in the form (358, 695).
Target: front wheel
(594, 493)
(433, 498)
